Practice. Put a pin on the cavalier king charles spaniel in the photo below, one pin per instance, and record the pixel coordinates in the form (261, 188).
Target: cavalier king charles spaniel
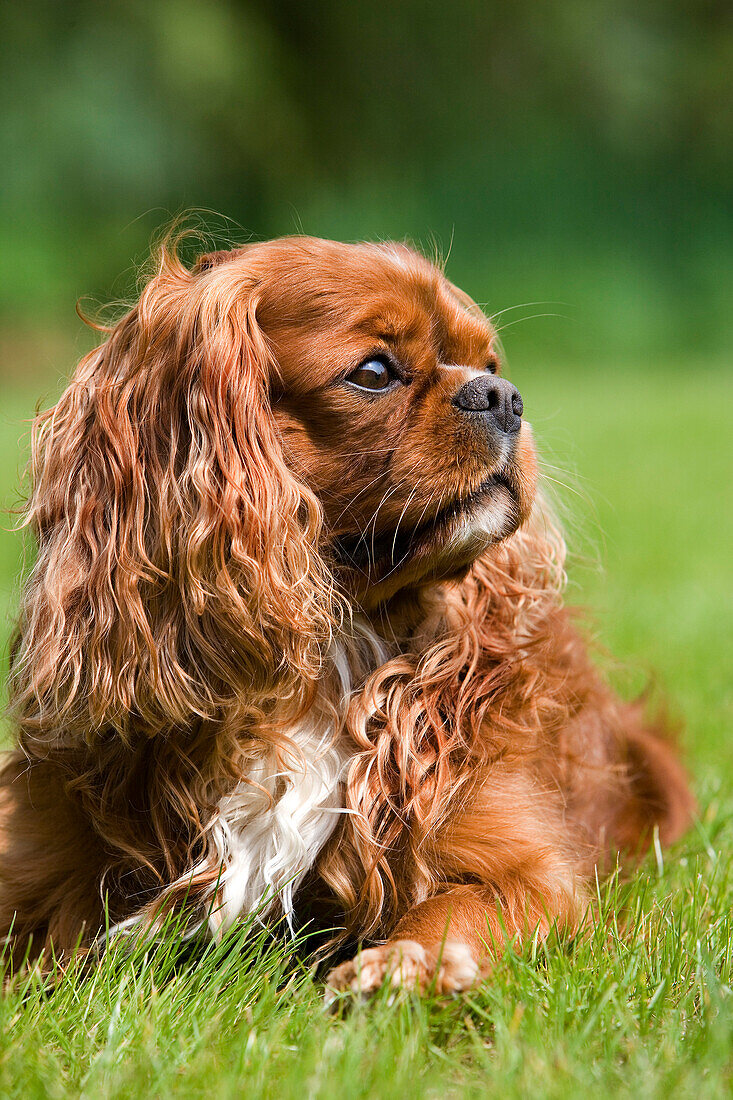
(294, 641)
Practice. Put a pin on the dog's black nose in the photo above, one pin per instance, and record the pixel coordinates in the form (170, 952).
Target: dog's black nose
(495, 398)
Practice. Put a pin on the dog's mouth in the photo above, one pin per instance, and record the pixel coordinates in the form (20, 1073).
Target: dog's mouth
(467, 506)
(487, 514)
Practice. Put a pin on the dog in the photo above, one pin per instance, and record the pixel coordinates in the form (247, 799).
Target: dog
(294, 641)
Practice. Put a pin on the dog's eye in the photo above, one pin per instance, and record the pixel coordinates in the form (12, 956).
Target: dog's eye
(493, 365)
(372, 375)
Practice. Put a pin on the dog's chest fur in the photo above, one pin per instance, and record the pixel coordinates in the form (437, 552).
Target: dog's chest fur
(269, 831)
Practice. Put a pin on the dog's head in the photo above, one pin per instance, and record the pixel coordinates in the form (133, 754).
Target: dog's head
(282, 423)
(385, 388)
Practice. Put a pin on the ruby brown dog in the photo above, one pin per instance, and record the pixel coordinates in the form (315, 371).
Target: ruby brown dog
(294, 641)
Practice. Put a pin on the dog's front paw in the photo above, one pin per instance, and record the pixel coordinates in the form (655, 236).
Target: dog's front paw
(406, 964)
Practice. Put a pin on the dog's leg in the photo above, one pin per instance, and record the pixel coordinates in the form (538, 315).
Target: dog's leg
(448, 942)
(509, 844)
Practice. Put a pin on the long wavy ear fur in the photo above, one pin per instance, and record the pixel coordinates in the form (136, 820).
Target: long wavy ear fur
(178, 597)
(177, 574)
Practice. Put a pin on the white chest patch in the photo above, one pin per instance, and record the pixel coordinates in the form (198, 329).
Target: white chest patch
(270, 829)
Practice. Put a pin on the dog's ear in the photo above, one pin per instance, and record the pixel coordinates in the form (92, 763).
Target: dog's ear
(178, 578)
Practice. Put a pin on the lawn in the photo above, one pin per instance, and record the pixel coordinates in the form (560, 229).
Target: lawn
(641, 1004)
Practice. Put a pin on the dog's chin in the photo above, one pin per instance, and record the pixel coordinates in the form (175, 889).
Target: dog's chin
(440, 550)
(491, 518)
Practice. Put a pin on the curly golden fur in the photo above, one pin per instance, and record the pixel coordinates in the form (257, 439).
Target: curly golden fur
(296, 624)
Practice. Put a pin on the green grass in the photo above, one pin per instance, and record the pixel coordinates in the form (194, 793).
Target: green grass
(641, 1004)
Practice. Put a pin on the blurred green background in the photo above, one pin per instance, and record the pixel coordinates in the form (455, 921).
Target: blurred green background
(575, 159)
(575, 153)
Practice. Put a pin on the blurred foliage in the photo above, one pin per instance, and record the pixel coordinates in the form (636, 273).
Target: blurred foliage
(575, 154)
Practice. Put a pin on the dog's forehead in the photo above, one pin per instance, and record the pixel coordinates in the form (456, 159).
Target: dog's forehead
(325, 273)
(383, 291)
